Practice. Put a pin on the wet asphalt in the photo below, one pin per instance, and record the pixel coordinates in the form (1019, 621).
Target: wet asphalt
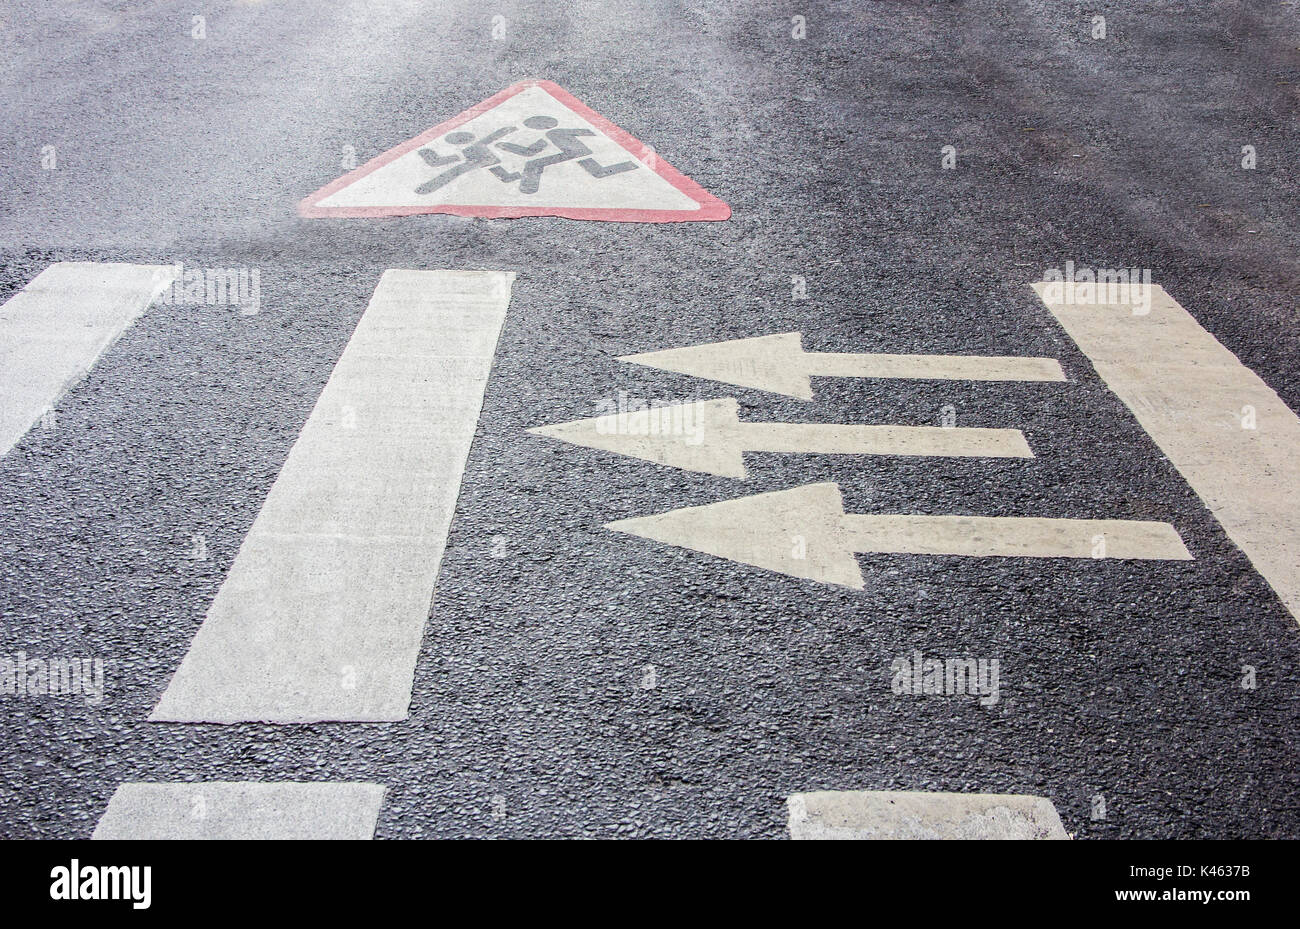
(531, 715)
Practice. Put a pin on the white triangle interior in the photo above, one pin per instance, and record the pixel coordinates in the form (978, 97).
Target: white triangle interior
(566, 184)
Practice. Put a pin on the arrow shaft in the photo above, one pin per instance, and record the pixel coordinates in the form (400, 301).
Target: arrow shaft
(834, 438)
(934, 367)
(1035, 537)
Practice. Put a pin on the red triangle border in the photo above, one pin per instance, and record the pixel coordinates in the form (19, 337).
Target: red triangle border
(711, 208)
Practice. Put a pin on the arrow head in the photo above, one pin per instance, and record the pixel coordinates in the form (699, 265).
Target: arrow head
(701, 436)
(774, 363)
(796, 532)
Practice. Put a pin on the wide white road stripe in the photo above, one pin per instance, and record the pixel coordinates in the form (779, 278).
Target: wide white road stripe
(248, 810)
(54, 330)
(1226, 431)
(887, 814)
(321, 615)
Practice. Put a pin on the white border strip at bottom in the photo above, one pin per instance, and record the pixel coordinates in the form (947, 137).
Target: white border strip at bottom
(889, 814)
(242, 810)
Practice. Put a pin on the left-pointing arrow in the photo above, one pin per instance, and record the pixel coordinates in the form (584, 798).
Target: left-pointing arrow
(804, 532)
(708, 436)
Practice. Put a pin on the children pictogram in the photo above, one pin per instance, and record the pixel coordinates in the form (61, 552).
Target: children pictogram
(478, 154)
(531, 150)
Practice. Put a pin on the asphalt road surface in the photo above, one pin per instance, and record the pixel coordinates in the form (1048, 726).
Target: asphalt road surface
(575, 681)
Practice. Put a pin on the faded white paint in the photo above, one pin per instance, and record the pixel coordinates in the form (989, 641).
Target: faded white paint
(321, 615)
(242, 810)
(54, 330)
(1226, 431)
(889, 814)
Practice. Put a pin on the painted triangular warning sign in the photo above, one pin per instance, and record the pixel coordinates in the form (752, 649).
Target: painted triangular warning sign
(531, 150)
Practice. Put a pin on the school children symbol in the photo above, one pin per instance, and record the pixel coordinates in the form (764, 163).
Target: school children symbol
(530, 150)
(479, 153)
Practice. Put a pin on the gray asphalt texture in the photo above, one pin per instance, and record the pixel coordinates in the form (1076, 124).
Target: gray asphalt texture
(1119, 679)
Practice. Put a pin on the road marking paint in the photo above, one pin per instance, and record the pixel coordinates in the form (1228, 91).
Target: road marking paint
(242, 810)
(708, 436)
(804, 532)
(1226, 431)
(321, 615)
(778, 364)
(54, 330)
(531, 150)
(889, 814)
(1014, 536)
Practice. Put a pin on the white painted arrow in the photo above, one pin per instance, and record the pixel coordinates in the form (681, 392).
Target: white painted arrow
(805, 533)
(708, 436)
(779, 365)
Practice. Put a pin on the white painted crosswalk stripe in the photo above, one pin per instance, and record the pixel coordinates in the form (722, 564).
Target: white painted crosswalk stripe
(1226, 431)
(242, 810)
(321, 615)
(887, 814)
(54, 330)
